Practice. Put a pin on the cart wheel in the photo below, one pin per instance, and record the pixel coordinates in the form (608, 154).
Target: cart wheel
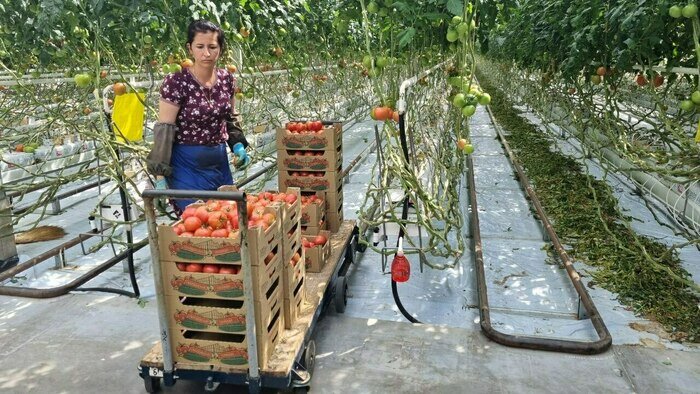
(152, 384)
(361, 247)
(309, 356)
(341, 294)
(300, 390)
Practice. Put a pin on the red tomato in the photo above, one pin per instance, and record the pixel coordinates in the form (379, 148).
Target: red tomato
(187, 234)
(217, 219)
(228, 269)
(210, 269)
(189, 211)
(202, 232)
(309, 153)
(181, 266)
(192, 223)
(202, 213)
(269, 257)
(220, 233)
(320, 240)
(268, 218)
(298, 153)
(290, 198)
(194, 267)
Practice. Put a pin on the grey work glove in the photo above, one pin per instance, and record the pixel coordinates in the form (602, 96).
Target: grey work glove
(158, 160)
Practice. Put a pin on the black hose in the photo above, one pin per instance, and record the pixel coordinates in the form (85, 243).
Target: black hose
(404, 216)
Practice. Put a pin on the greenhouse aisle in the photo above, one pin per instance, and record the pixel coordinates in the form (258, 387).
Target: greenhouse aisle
(92, 342)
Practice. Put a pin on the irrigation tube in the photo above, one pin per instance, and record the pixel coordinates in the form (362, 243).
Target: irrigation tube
(524, 341)
(404, 147)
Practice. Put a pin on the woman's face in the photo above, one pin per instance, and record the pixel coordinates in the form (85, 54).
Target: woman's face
(205, 48)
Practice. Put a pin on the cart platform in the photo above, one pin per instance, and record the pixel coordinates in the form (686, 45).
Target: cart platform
(295, 348)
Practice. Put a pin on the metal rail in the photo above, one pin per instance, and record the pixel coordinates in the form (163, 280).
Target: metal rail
(523, 341)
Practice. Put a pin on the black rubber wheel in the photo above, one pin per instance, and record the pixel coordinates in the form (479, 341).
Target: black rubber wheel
(341, 294)
(309, 357)
(361, 247)
(300, 390)
(152, 384)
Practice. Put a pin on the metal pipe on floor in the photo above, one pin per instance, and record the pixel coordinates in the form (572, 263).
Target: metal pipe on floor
(68, 287)
(523, 341)
(63, 195)
(47, 255)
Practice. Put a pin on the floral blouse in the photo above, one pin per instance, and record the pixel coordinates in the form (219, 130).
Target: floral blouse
(203, 111)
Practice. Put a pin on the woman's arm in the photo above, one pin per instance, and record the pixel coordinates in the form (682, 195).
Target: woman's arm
(167, 112)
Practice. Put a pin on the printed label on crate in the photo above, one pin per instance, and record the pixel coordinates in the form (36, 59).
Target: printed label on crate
(301, 162)
(225, 288)
(229, 355)
(227, 322)
(198, 251)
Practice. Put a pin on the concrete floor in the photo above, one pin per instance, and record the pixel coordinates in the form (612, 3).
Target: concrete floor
(91, 343)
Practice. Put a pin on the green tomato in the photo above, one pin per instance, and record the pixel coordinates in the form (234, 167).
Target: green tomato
(462, 28)
(452, 35)
(459, 100)
(367, 61)
(687, 105)
(456, 20)
(675, 11)
(485, 99)
(175, 68)
(695, 97)
(595, 79)
(690, 11)
(468, 110)
(469, 149)
(282, 31)
(147, 39)
(471, 99)
(372, 7)
(381, 62)
(82, 80)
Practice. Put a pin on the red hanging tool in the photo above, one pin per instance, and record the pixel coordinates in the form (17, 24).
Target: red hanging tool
(400, 267)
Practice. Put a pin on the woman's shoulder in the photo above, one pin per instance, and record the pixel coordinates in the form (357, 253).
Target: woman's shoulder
(176, 78)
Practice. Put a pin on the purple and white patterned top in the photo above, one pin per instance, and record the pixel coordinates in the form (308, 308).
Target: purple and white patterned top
(202, 114)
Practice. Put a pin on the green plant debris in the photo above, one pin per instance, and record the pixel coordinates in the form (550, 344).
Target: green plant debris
(584, 213)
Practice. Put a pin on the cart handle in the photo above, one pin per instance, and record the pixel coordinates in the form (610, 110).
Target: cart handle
(199, 194)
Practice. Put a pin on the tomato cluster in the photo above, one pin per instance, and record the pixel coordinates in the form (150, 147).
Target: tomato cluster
(307, 153)
(219, 219)
(309, 242)
(317, 174)
(384, 113)
(295, 259)
(305, 200)
(311, 126)
(209, 268)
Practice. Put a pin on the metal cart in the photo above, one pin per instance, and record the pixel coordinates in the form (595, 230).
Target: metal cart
(291, 364)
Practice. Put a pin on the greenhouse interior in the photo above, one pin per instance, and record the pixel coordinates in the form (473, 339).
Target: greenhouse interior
(350, 196)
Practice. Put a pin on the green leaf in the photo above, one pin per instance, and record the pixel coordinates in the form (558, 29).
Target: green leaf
(406, 36)
(456, 7)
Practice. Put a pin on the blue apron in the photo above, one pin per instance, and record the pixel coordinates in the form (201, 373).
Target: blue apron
(198, 167)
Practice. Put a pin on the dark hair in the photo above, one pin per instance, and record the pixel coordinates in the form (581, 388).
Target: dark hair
(204, 26)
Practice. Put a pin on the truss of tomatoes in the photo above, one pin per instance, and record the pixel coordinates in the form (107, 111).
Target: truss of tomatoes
(219, 219)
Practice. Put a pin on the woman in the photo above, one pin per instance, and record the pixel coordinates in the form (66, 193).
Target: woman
(191, 135)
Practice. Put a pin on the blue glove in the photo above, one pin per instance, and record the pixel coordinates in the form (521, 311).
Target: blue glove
(160, 203)
(241, 159)
(161, 184)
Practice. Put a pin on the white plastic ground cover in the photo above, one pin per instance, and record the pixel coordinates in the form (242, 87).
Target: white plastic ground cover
(528, 294)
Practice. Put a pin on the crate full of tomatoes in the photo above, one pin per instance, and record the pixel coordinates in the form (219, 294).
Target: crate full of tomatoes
(317, 250)
(310, 135)
(294, 289)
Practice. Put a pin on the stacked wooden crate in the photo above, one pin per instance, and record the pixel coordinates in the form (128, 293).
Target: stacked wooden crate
(311, 159)
(204, 294)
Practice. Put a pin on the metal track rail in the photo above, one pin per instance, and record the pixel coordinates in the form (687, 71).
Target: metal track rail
(604, 340)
